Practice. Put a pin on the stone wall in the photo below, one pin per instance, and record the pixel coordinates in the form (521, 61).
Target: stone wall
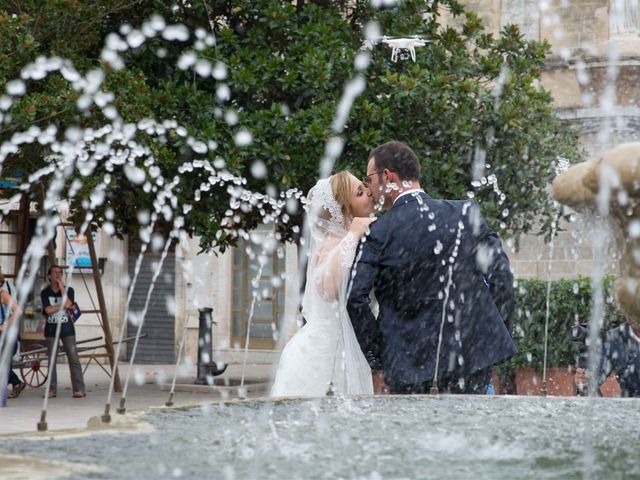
(593, 72)
(569, 256)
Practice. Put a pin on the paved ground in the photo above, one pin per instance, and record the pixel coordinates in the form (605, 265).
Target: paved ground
(150, 386)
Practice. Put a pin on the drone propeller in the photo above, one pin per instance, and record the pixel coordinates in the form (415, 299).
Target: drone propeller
(384, 38)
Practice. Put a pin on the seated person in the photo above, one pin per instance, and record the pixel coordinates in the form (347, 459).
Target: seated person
(620, 355)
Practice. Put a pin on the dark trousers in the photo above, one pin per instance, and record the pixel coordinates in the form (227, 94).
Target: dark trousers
(476, 383)
(75, 368)
(13, 379)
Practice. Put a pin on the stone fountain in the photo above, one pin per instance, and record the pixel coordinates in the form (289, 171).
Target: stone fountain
(609, 186)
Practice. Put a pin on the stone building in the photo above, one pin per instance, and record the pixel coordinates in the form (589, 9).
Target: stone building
(593, 72)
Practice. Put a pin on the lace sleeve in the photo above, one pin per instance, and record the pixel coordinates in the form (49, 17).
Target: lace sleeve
(348, 247)
(333, 266)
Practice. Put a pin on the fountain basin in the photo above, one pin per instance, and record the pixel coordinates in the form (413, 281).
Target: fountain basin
(368, 437)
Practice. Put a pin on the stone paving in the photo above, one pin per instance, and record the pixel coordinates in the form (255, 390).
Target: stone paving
(149, 386)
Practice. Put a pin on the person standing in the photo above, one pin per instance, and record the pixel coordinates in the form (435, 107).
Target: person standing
(441, 278)
(324, 357)
(56, 313)
(8, 309)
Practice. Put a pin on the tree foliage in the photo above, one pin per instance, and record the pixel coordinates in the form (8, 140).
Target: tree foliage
(470, 105)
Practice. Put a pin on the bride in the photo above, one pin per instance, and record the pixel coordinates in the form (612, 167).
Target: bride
(325, 354)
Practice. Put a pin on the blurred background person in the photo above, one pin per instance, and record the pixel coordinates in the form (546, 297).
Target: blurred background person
(8, 310)
(56, 313)
(620, 356)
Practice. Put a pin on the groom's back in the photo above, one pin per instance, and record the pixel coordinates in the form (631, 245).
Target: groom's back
(430, 268)
(425, 237)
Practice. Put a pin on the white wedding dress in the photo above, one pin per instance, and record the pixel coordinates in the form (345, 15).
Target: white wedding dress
(325, 353)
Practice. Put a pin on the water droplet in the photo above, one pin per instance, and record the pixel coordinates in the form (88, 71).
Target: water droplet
(5, 102)
(259, 169)
(138, 377)
(220, 71)
(73, 134)
(362, 61)
(223, 93)
(135, 38)
(203, 67)
(243, 138)
(144, 217)
(157, 242)
(157, 22)
(108, 228)
(186, 60)
(135, 174)
(16, 87)
(176, 32)
(372, 31)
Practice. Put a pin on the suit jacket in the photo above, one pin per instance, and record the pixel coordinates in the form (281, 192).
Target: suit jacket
(432, 264)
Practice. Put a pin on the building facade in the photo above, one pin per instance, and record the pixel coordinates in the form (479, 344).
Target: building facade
(593, 73)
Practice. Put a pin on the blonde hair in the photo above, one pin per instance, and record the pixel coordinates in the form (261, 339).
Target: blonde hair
(341, 189)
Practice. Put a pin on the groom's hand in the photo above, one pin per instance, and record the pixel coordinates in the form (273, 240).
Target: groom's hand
(379, 387)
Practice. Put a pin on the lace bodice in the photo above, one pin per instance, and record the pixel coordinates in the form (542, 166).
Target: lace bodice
(332, 265)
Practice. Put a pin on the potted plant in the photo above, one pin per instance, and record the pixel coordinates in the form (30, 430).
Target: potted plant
(569, 303)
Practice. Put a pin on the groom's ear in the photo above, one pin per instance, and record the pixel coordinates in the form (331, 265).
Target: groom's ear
(391, 175)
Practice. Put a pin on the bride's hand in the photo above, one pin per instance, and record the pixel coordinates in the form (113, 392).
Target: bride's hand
(360, 225)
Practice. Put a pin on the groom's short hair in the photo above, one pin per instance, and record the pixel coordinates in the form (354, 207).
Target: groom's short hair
(398, 157)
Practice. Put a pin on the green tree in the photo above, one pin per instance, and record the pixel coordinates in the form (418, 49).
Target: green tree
(469, 105)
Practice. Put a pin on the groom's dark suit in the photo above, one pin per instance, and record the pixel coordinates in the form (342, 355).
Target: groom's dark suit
(406, 260)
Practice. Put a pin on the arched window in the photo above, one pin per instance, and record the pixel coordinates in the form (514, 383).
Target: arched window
(624, 17)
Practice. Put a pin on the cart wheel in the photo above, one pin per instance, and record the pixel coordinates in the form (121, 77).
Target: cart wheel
(34, 372)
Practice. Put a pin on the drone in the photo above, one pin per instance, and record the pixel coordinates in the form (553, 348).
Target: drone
(404, 46)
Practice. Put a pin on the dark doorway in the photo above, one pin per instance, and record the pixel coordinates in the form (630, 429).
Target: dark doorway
(159, 324)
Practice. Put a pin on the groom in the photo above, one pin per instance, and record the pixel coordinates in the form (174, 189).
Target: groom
(441, 279)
